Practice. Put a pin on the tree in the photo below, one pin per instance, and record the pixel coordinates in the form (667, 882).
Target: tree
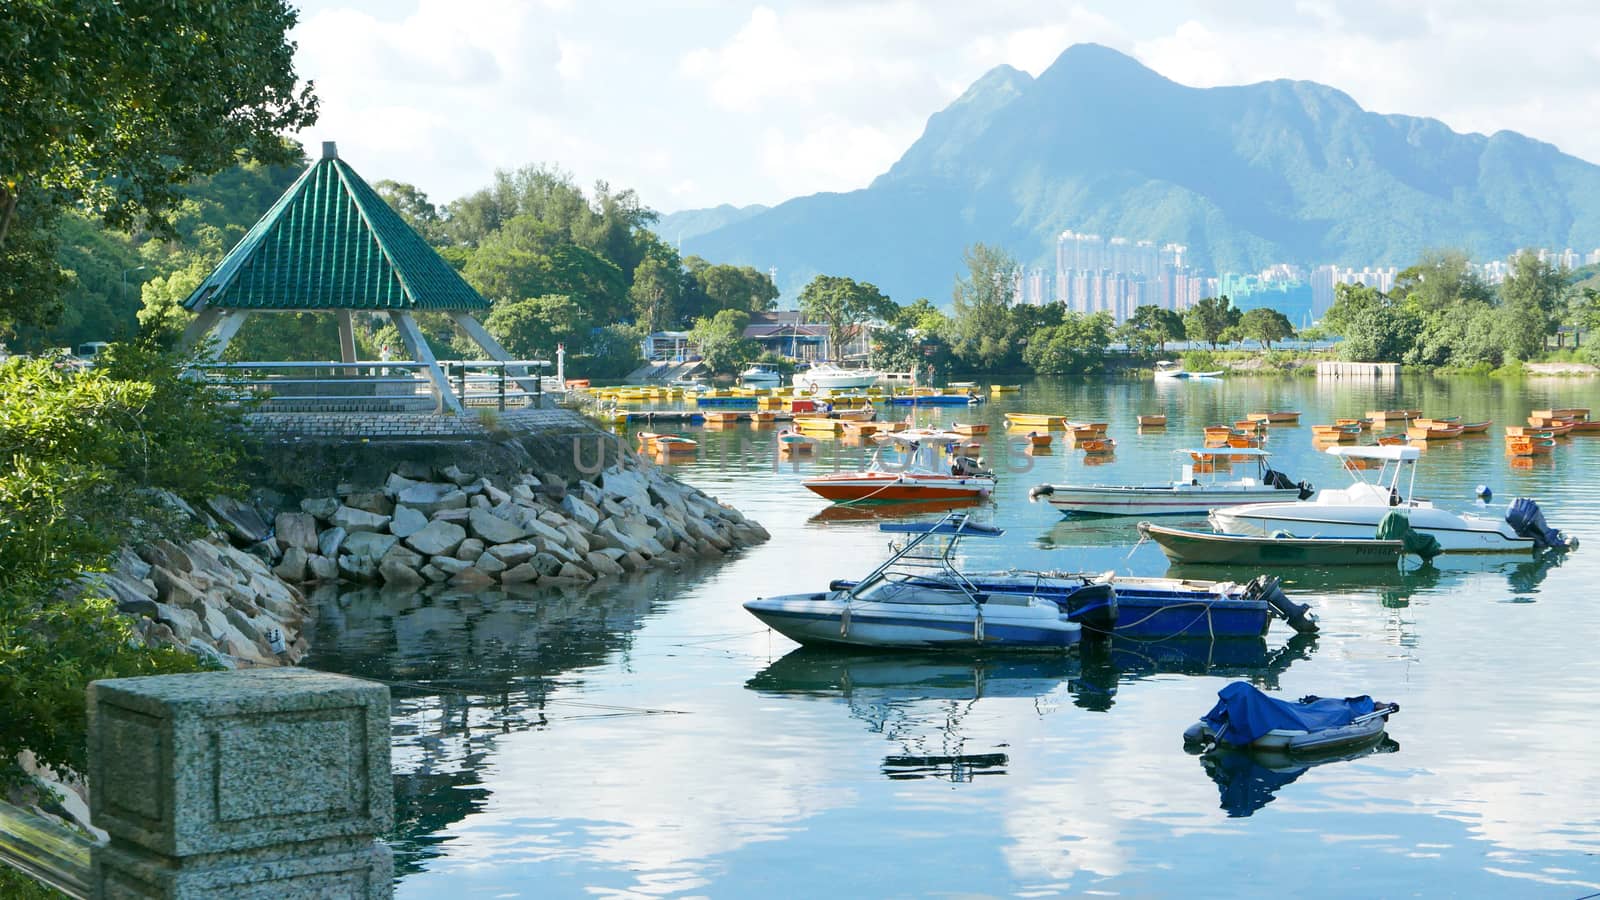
(1208, 319)
(1266, 326)
(722, 343)
(717, 287)
(983, 333)
(1349, 302)
(115, 106)
(657, 290)
(531, 328)
(843, 304)
(413, 206)
(1153, 326)
(1531, 296)
(1077, 346)
(1381, 332)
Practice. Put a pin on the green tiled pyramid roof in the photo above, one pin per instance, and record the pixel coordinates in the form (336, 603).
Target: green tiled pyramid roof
(330, 242)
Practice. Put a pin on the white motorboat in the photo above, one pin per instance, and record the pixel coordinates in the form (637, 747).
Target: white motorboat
(1355, 511)
(761, 375)
(897, 606)
(1173, 371)
(1198, 488)
(826, 377)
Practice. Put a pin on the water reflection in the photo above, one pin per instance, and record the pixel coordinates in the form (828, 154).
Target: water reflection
(1106, 663)
(465, 669)
(919, 702)
(1248, 780)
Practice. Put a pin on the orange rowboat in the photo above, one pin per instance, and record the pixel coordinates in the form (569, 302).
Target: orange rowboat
(1335, 433)
(1035, 439)
(1364, 423)
(1434, 432)
(1277, 417)
(1475, 427)
(1221, 431)
(1098, 445)
(1529, 446)
(1152, 421)
(1576, 413)
(1391, 440)
(974, 430)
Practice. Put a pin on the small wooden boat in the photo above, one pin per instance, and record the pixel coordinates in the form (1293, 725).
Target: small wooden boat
(1098, 446)
(1245, 718)
(858, 429)
(1475, 427)
(1433, 431)
(1335, 433)
(1097, 427)
(1556, 427)
(1035, 420)
(1080, 433)
(1529, 446)
(670, 444)
(1244, 441)
(763, 418)
(1004, 388)
(1391, 440)
(795, 443)
(1037, 440)
(1185, 546)
(817, 423)
(721, 417)
(969, 429)
(1391, 415)
(1253, 426)
(1364, 423)
(1576, 413)
(1221, 431)
(1276, 417)
(1152, 421)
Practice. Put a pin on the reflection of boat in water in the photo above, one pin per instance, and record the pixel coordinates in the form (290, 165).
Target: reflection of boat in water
(918, 700)
(1247, 780)
(866, 512)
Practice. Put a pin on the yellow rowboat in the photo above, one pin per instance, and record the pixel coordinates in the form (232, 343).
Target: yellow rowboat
(1276, 417)
(1035, 420)
(1336, 433)
(1433, 431)
(817, 423)
(1004, 388)
(1152, 421)
(1576, 413)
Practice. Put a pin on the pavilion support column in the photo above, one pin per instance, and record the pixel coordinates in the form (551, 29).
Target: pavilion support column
(214, 340)
(199, 326)
(484, 339)
(347, 337)
(418, 345)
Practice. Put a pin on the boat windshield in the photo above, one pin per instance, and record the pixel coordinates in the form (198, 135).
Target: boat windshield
(925, 556)
(1397, 477)
(1208, 465)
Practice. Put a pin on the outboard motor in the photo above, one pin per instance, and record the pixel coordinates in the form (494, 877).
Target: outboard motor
(1527, 521)
(1307, 490)
(1298, 615)
(1276, 479)
(1094, 606)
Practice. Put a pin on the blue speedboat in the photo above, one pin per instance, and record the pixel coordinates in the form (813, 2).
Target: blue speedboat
(936, 399)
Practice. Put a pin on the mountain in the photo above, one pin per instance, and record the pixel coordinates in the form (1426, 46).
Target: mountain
(1245, 176)
(691, 223)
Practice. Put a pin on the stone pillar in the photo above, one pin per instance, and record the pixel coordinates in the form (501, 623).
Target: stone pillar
(257, 783)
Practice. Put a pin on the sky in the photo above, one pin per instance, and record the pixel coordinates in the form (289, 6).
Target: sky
(695, 103)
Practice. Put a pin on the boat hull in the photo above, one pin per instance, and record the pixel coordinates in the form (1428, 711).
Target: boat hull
(888, 488)
(1156, 500)
(1184, 546)
(827, 620)
(1455, 534)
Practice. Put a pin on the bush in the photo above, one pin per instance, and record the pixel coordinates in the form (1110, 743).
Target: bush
(86, 454)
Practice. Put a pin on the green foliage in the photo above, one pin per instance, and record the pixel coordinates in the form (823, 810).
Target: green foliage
(843, 304)
(1151, 327)
(114, 109)
(1266, 326)
(922, 317)
(1533, 297)
(710, 288)
(983, 333)
(1380, 333)
(657, 290)
(723, 345)
(1200, 361)
(85, 453)
(1077, 346)
(1209, 319)
(531, 328)
(613, 352)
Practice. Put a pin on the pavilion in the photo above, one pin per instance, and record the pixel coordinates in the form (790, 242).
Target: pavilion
(331, 244)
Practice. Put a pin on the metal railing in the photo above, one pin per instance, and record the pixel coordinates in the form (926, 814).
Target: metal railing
(383, 385)
(46, 852)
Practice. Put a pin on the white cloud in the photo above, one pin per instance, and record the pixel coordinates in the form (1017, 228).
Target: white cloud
(795, 97)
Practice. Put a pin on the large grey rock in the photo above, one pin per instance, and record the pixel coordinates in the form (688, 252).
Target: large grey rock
(407, 521)
(429, 497)
(453, 473)
(458, 515)
(574, 572)
(396, 573)
(448, 565)
(581, 511)
(470, 578)
(490, 564)
(397, 483)
(470, 549)
(437, 539)
(369, 545)
(520, 574)
(491, 529)
(603, 564)
(321, 507)
(239, 520)
(358, 568)
(357, 520)
(513, 553)
(296, 529)
(330, 541)
(183, 623)
(404, 556)
(322, 568)
(545, 564)
(292, 567)
(495, 495)
(371, 501)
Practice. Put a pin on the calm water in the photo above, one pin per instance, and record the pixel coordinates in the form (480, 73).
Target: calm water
(650, 738)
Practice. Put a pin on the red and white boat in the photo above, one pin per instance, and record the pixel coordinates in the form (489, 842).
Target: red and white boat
(909, 466)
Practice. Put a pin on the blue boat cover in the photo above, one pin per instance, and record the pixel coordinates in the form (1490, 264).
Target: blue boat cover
(1247, 713)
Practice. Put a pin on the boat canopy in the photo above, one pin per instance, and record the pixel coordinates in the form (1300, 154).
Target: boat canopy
(1243, 713)
(948, 525)
(1387, 452)
(1226, 451)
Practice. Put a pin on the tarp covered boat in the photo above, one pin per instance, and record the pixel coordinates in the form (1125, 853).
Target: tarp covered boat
(1245, 717)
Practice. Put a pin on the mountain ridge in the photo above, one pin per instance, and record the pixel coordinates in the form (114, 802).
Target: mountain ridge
(1244, 175)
